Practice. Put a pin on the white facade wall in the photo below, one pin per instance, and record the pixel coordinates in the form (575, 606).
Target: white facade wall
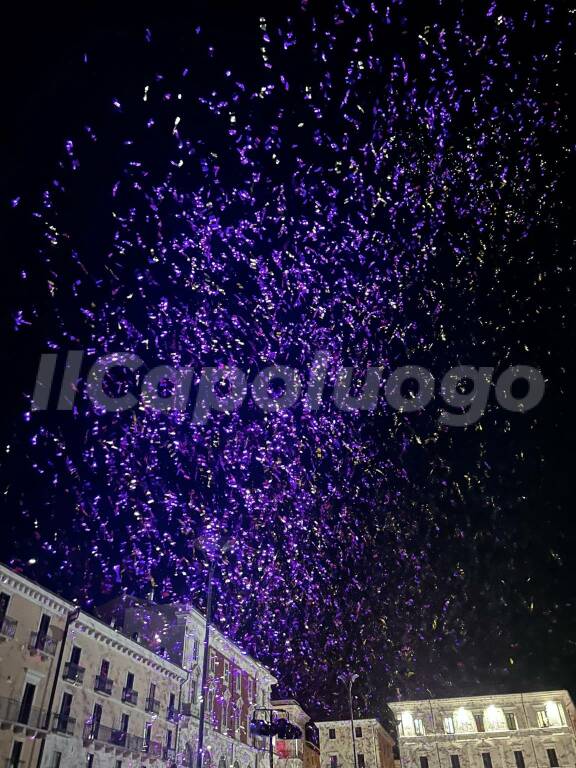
(374, 746)
(531, 730)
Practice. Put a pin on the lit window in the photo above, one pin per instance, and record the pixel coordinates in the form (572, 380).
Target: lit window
(455, 761)
(542, 716)
(449, 724)
(487, 759)
(361, 761)
(332, 733)
(552, 758)
(418, 726)
(424, 761)
(519, 759)
(511, 721)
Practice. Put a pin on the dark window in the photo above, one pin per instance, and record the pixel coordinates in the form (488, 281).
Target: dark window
(75, 655)
(332, 733)
(479, 720)
(4, 602)
(124, 723)
(130, 681)
(511, 721)
(361, 761)
(455, 761)
(104, 668)
(333, 761)
(43, 628)
(519, 759)
(152, 690)
(118, 764)
(552, 758)
(26, 703)
(400, 726)
(90, 761)
(423, 761)
(168, 739)
(148, 734)
(487, 759)
(358, 731)
(96, 718)
(56, 759)
(16, 754)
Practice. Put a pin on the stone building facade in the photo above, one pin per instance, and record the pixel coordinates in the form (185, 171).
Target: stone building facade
(296, 753)
(122, 690)
(237, 683)
(530, 730)
(374, 746)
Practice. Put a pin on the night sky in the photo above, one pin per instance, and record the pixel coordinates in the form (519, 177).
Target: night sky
(390, 182)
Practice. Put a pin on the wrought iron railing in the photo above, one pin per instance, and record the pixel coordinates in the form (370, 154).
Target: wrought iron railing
(73, 672)
(64, 724)
(152, 705)
(130, 696)
(103, 684)
(8, 627)
(41, 642)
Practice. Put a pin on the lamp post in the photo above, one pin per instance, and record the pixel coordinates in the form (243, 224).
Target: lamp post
(203, 689)
(349, 680)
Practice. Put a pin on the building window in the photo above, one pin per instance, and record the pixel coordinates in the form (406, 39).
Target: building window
(487, 759)
(358, 730)
(552, 758)
(212, 662)
(511, 721)
(542, 716)
(331, 733)
(449, 724)
(418, 726)
(399, 726)
(424, 761)
(479, 720)
(56, 760)
(227, 672)
(361, 761)
(519, 759)
(90, 760)
(333, 761)
(193, 690)
(455, 761)
(118, 764)
(195, 649)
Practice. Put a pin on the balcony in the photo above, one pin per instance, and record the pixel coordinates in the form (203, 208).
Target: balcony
(186, 708)
(152, 705)
(130, 696)
(169, 754)
(103, 685)
(21, 718)
(64, 724)
(8, 628)
(40, 643)
(152, 748)
(113, 738)
(73, 673)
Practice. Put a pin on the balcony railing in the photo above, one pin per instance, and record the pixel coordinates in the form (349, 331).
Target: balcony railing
(103, 684)
(73, 673)
(64, 724)
(8, 627)
(152, 748)
(152, 705)
(13, 712)
(186, 708)
(114, 736)
(43, 643)
(169, 753)
(130, 696)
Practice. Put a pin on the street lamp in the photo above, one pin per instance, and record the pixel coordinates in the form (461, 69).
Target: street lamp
(219, 550)
(349, 679)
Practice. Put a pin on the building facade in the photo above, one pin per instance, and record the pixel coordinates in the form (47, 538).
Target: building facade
(374, 746)
(122, 690)
(296, 753)
(531, 730)
(237, 684)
